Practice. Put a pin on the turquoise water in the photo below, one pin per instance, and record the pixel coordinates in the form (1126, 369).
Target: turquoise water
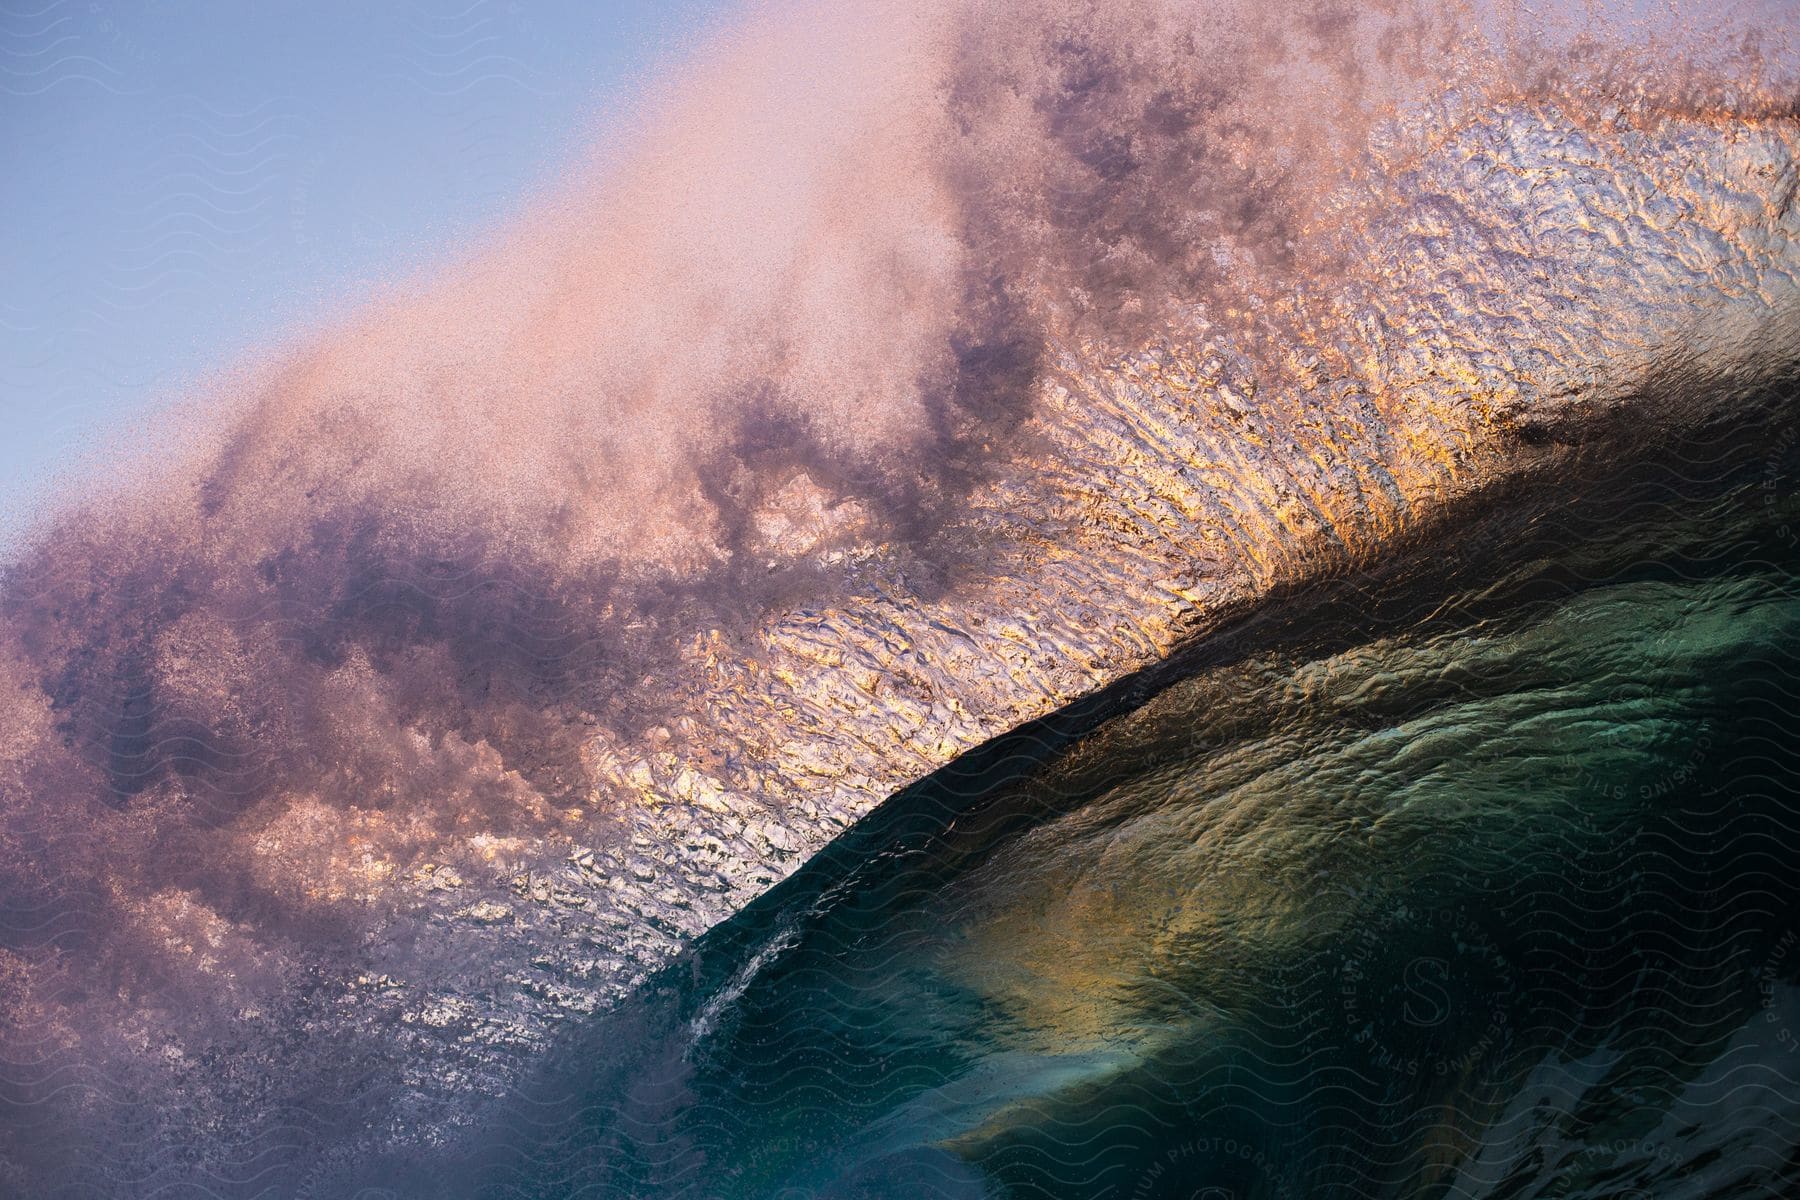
(1473, 878)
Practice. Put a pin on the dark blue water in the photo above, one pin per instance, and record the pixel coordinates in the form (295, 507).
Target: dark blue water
(1474, 876)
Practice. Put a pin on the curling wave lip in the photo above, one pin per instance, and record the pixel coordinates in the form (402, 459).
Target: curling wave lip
(373, 719)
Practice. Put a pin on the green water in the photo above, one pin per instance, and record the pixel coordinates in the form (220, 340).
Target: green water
(1473, 879)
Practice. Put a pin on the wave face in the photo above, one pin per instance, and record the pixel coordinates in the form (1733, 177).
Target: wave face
(914, 372)
(1474, 881)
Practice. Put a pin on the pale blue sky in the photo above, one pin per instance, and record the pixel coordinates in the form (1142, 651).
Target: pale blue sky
(183, 179)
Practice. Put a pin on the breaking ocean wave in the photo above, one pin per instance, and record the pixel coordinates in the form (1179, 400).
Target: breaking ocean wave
(1235, 559)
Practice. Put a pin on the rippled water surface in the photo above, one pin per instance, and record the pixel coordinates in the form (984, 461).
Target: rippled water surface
(1471, 880)
(986, 597)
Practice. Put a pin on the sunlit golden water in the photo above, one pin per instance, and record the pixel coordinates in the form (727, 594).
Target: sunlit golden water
(1477, 884)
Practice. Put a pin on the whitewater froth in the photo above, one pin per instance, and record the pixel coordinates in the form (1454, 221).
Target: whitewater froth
(924, 368)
